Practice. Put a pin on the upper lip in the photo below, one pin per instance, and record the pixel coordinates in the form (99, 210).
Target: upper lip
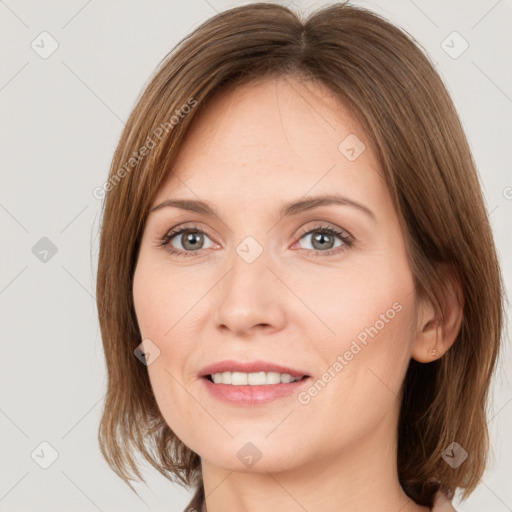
(249, 367)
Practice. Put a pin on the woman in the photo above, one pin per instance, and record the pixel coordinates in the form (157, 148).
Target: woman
(295, 248)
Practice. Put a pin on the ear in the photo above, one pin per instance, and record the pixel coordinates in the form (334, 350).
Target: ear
(435, 335)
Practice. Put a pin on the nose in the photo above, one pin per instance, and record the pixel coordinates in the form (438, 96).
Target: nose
(250, 298)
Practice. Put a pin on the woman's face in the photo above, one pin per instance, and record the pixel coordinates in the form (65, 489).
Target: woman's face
(249, 284)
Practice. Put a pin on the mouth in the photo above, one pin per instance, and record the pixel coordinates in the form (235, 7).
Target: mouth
(253, 378)
(251, 383)
(251, 373)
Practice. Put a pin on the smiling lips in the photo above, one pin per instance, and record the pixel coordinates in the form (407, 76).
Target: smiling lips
(251, 383)
(248, 367)
(252, 379)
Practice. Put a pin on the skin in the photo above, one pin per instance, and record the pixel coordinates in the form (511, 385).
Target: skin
(256, 147)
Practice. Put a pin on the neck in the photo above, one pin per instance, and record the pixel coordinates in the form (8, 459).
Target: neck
(362, 477)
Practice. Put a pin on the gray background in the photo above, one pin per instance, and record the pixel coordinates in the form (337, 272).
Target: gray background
(61, 117)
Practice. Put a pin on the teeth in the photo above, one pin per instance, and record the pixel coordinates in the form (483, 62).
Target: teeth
(252, 379)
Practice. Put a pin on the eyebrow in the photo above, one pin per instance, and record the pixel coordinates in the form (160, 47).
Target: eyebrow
(288, 209)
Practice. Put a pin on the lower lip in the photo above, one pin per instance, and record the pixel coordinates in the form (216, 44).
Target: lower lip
(253, 395)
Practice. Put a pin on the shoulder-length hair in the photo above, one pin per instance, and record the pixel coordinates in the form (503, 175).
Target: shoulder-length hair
(382, 75)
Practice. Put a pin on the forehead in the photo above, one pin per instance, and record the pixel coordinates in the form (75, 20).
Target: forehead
(279, 133)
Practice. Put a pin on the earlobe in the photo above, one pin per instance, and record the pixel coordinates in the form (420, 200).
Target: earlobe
(436, 333)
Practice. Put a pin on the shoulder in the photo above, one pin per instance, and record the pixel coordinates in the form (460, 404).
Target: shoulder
(442, 503)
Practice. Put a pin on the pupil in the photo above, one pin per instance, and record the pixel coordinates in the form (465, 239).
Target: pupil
(320, 238)
(194, 239)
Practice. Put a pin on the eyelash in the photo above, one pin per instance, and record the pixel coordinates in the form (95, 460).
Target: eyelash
(343, 235)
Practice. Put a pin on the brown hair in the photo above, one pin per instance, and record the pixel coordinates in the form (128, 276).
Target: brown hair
(381, 74)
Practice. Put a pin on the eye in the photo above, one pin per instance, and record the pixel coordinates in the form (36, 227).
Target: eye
(323, 240)
(190, 238)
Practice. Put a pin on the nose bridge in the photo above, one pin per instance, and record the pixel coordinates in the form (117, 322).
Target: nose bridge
(248, 296)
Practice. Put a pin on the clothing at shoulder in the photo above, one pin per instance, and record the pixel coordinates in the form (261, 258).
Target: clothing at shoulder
(441, 503)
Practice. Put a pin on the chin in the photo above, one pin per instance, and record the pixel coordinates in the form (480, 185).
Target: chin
(257, 456)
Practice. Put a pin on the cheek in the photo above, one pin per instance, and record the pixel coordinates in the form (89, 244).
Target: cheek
(373, 318)
(161, 298)
(365, 367)
(367, 301)
(162, 317)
